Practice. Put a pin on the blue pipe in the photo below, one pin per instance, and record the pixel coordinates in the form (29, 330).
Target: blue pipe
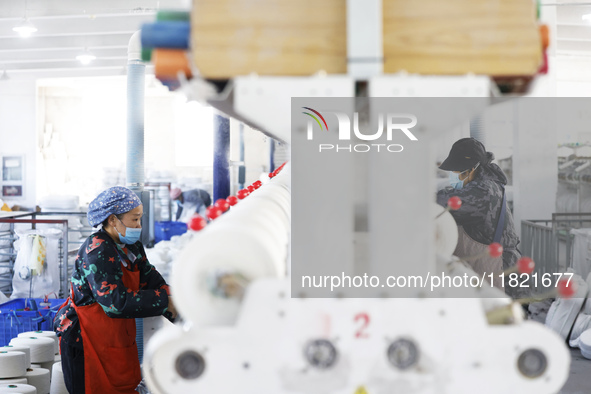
(221, 157)
(242, 166)
(166, 34)
(271, 155)
(136, 71)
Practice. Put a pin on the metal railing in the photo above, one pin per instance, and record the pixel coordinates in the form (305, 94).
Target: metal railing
(539, 242)
(549, 242)
(562, 224)
(6, 277)
(85, 231)
(67, 248)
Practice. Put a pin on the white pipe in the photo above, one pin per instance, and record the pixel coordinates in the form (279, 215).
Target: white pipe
(134, 48)
(136, 72)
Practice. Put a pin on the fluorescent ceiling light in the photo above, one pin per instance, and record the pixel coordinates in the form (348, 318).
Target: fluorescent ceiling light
(85, 57)
(25, 29)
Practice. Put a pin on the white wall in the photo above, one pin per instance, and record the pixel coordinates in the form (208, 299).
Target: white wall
(568, 76)
(88, 121)
(17, 132)
(535, 171)
(83, 126)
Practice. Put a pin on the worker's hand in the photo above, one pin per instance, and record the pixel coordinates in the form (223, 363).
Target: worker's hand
(171, 308)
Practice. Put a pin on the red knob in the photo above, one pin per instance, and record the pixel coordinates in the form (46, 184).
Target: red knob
(213, 212)
(197, 222)
(454, 203)
(250, 188)
(232, 200)
(271, 174)
(222, 204)
(242, 194)
(495, 249)
(257, 184)
(525, 265)
(566, 287)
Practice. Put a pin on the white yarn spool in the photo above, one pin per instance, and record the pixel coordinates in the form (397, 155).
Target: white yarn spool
(39, 377)
(42, 349)
(24, 349)
(18, 388)
(585, 342)
(258, 227)
(48, 365)
(57, 380)
(35, 365)
(207, 254)
(12, 381)
(44, 334)
(12, 364)
(57, 358)
(446, 231)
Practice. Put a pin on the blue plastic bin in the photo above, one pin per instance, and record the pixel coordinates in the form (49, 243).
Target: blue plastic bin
(163, 231)
(14, 319)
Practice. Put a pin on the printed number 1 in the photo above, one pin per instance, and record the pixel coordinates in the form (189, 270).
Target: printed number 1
(364, 317)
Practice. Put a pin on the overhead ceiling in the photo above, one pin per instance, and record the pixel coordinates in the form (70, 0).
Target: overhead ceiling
(66, 27)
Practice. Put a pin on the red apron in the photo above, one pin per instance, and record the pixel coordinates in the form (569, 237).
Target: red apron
(111, 363)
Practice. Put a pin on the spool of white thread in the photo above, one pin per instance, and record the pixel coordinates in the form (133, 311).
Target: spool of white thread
(205, 255)
(24, 349)
(42, 349)
(12, 381)
(39, 377)
(57, 358)
(18, 388)
(57, 380)
(12, 364)
(48, 365)
(44, 334)
(35, 365)
(585, 343)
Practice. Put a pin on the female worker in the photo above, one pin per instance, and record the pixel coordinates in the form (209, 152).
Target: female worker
(190, 202)
(112, 283)
(483, 217)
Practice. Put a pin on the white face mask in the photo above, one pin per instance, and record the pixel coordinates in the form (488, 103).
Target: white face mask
(454, 178)
(455, 181)
(132, 235)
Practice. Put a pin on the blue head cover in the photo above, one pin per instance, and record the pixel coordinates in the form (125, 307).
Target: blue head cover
(113, 201)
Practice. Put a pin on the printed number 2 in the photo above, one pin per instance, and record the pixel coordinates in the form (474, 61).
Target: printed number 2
(364, 317)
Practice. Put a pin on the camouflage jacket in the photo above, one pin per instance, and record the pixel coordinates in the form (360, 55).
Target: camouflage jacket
(481, 208)
(97, 277)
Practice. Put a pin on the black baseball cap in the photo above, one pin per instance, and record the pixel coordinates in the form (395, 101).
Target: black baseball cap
(464, 155)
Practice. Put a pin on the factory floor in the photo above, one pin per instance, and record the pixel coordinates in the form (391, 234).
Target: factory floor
(578, 381)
